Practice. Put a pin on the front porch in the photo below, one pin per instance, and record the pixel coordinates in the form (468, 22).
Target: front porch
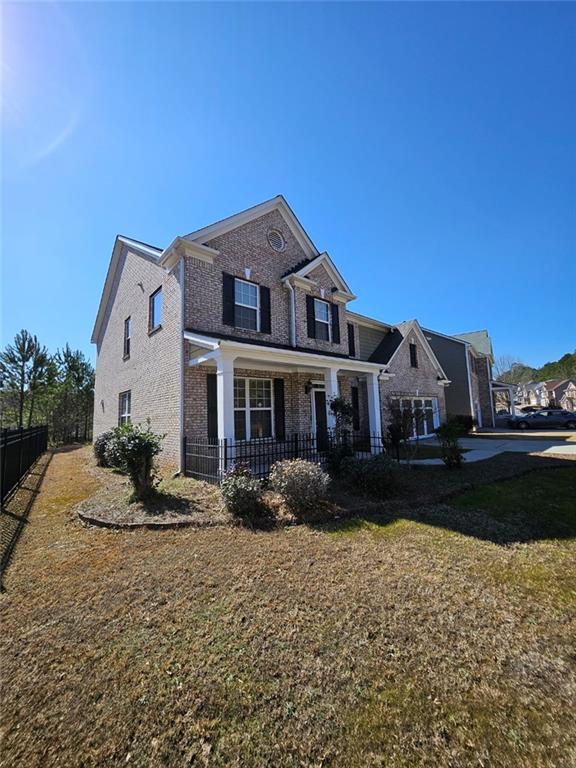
(257, 404)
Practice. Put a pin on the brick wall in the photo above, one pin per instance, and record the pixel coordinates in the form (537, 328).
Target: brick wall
(246, 247)
(152, 372)
(411, 382)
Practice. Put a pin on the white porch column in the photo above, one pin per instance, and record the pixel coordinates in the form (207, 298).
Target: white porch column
(331, 386)
(225, 401)
(374, 416)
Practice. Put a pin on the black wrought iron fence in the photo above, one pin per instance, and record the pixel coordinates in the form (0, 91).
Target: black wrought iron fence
(208, 459)
(19, 449)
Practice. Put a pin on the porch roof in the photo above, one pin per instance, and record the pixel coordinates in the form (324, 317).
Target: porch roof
(209, 346)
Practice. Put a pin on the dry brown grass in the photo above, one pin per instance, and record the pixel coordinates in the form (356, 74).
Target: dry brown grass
(391, 643)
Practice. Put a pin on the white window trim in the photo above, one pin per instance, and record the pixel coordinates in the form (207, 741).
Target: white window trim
(125, 417)
(320, 320)
(435, 413)
(247, 409)
(127, 338)
(248, 306)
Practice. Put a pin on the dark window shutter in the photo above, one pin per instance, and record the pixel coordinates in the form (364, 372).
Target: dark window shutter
(335, 324)
(279, 409)
(212, 405)
(310, 317)
(351, 341)
(265, 321)
(355, 409)
(227, 299)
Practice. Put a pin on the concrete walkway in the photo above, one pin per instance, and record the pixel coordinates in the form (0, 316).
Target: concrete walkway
(479, 449)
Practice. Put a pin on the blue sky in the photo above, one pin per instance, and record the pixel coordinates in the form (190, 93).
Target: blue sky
(429, 148)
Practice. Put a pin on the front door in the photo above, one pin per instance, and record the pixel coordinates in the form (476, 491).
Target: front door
(321, 419)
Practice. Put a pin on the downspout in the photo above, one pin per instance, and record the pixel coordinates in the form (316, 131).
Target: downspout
(292, 313)
(182, 365)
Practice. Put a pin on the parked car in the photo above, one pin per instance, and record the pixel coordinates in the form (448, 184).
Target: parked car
(547, 418)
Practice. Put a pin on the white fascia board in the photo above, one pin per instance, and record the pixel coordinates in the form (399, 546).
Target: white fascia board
(324, 260)
(145, 252)
(237, 220)
(180, 247)
(206, 342)
(297, 358)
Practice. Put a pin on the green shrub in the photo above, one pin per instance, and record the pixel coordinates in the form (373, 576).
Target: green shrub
(100, 446)
(448, 434)
(461, 424)
(375, 476)
(242, 493)
(133, 448)
(302, 484)
(335, 456)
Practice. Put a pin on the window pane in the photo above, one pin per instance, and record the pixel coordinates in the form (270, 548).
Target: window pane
(240, 425)
(322, 331)
(156, 309)
(239, 393)
(429, 422)
(246, 293)
(246, 318)
(260, 424)
(260, 393)
(321, 310)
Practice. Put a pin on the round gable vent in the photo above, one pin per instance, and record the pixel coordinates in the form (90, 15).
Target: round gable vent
(276, 240)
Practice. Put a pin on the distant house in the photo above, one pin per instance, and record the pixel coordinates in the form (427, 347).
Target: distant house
(240, 332)
(560, 393)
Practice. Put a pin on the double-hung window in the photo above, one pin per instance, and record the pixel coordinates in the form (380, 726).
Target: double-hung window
(155, 311)
(252, 409)
(246, 309)
(124, 407)
(322, 319)
(127, 336)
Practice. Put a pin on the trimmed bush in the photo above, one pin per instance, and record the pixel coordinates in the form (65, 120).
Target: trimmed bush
(336, 455)
(302, 484)
(242, 493)
(451, 449)
(375, 476)
(132, 448)
(100, 445)
(460, 424)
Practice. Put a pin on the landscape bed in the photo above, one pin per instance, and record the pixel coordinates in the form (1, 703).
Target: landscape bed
(390, 638)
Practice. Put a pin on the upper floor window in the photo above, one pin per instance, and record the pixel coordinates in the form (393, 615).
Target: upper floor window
(124, 407)
(413, 355)
(351, 341)
(127, 336)
(322, 319)
(247, 305)
(155, 311)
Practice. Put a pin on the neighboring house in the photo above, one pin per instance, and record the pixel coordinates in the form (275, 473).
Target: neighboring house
(560, 393)
(241, 330)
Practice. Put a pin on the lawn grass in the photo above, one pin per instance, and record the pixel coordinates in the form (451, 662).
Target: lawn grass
(383, 642)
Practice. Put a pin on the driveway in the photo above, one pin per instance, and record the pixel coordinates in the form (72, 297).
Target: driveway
(479, 448)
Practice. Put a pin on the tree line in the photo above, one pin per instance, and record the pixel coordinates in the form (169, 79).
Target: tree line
(37, 387)
(511, 371)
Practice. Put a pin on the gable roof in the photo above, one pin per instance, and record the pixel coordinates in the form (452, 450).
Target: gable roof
(304, 268)
(149, 252)
(277, 203)
(391, 343)
(480, 340)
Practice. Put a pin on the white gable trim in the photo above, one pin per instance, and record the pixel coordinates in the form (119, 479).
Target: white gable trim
(414, 327)
(180, 247)
(277, 203)
(144, 251)
(325, 261)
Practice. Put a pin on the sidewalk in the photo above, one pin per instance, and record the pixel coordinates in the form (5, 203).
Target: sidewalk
(479, 449)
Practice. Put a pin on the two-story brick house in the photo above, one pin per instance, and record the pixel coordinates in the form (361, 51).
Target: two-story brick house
(241, 330)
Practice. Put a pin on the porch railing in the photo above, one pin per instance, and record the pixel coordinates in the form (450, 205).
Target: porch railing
(209, 459)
